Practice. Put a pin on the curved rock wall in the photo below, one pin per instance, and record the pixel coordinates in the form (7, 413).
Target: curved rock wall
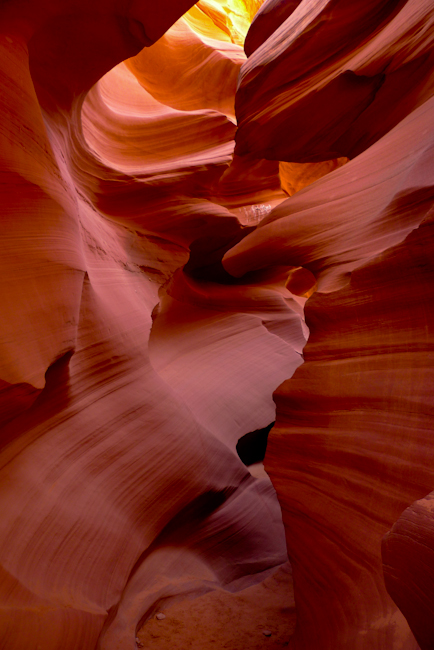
(351, 448)
(120, 486)
(148, 317)
(408, 561)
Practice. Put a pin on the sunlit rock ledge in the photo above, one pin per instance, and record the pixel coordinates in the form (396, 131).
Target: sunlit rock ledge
(198, 239)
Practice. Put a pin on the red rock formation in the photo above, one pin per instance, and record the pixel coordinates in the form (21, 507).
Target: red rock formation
(355, 421)
(334, 78)
(115, 496)
(268, 18)
(295, 176)
(145, 328)
(177, 70)
(351, 446)
(408, 556)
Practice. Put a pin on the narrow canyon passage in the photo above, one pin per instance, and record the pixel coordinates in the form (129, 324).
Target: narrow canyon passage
(214, 218)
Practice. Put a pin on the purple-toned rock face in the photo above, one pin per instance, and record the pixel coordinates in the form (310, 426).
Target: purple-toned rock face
(268, 19)
(158, 286)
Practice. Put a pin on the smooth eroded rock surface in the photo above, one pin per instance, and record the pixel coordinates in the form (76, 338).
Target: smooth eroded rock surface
(157, 259)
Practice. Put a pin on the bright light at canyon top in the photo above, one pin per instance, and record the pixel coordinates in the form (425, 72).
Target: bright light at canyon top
(224, 20)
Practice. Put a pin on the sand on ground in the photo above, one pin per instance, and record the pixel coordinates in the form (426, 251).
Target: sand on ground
(220, 620)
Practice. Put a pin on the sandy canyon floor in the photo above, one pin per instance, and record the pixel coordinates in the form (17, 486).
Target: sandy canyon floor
(224, 621)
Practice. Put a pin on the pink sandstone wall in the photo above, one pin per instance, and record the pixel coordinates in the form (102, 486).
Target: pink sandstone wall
(149, 314)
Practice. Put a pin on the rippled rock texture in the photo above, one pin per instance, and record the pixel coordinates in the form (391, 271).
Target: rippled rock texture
(352, 445)
(127, 381)
(148, 317)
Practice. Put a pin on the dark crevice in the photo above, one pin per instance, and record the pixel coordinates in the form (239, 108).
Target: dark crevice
(251, 447)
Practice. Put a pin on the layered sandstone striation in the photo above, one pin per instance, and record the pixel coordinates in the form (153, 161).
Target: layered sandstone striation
(351, 448)
(121, 488)
(147, 318)
(334, 78)
(407, 563)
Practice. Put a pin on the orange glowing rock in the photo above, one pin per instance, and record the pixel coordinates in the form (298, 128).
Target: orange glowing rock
(295, 176)
(153, 290)
(232, 17)
(177, 71)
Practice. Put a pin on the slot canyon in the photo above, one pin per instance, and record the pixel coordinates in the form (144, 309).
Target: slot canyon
(216, 332)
